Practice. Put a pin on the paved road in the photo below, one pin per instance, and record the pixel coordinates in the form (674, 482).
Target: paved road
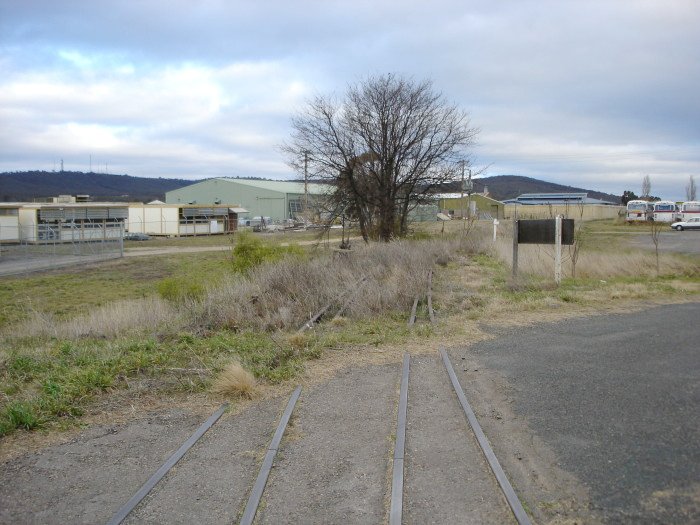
(669, 241)
(616, 397)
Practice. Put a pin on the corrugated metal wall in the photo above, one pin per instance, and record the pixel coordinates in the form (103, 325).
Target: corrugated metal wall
(258, 201)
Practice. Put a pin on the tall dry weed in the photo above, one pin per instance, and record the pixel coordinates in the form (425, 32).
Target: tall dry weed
(539, 260)
(280, 295)
(149, 314)
(369, 280)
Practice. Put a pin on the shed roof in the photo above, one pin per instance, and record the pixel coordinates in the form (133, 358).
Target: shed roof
(441, 196)
(39, 205)
(555, 198)
(283, 186)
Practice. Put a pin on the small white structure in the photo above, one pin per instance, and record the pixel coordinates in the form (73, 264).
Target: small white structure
(175, 220)
(9, 222)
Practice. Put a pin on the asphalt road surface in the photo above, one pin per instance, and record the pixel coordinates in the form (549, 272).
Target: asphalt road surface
(669, 241)
(616, 397)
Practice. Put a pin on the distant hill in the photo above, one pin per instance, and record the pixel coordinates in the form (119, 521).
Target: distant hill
(29, 185)
(503, 187)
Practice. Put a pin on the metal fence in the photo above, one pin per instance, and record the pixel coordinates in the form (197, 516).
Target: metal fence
(57, 246)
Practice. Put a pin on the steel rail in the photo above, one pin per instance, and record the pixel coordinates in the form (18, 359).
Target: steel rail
(130, 505)
(399, 448)
(429, 301)
(412, 317)
(512, 498)
(350, 293)
(251, 507)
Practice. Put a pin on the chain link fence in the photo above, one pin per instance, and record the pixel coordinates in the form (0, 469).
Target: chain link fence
(49, 246)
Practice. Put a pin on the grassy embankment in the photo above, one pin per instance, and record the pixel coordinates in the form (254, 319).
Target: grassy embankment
(169, 324)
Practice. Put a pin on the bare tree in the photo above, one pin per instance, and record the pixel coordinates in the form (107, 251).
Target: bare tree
(383, 149)
(690, 189)
(646, 186)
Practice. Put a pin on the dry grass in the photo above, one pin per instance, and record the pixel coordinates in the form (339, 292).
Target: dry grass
(368, 281)
(599, 264)
(149, 314)
(235, 381)
(298, 341)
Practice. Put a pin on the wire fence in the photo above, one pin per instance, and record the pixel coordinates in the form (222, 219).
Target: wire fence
(48, 246)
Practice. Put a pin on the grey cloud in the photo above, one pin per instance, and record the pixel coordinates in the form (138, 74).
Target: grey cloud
(570, 77)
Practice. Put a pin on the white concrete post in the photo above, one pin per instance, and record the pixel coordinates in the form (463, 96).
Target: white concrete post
(515, 248)
(557, 255)
(495, 229)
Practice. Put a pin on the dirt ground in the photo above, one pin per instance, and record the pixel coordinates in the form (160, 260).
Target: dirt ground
(334, 465)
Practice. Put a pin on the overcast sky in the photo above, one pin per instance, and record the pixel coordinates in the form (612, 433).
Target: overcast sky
(594, 94)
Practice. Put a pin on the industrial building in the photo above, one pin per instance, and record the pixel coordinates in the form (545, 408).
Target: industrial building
(534, 199)
(70, 222)
(474, 205)
(278, 200)
(175, 220)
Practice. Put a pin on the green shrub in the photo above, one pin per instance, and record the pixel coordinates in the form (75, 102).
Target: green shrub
(179, 290)
(250, 252)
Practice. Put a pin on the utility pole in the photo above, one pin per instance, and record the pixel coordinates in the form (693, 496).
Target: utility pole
(306, 181)
(461, 195)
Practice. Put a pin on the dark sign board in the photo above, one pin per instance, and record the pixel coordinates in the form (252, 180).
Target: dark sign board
(542, 231)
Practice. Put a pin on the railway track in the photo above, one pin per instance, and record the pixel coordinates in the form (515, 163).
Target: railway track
(428, 298)
(418, 421)
(400, 494)
(338, 307)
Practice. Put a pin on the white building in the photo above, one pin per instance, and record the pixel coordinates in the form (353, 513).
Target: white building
(9, 222)
(177, 220)
(88, 221)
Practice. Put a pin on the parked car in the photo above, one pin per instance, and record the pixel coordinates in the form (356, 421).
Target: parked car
(691, 224)
(136, 236)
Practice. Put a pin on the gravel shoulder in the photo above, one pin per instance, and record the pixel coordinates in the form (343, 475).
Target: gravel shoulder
(211, 483)
(447, 479)
(332, 466)
(86, 479)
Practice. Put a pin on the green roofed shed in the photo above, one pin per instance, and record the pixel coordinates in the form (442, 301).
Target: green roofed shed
(278, 200)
